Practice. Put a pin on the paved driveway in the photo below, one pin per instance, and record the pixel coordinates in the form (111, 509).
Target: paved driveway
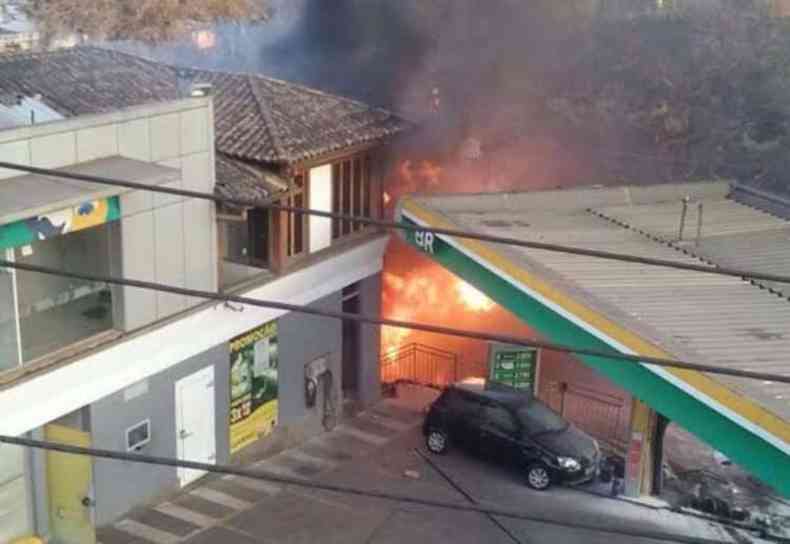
(374, 451)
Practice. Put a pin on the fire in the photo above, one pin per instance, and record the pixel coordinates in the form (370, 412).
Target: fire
(420, 176)
(387, 198)
(204, 39)
(472, 298)
(420, 297)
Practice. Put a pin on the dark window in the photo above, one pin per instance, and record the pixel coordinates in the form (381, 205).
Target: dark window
(500, 419)
(539, 418)
(298, 230)
(357, 189)
(346, 195)
(295, 222)
(258, 226)
(336, 198)
(366, 195)
(351, 193)
(465, 406)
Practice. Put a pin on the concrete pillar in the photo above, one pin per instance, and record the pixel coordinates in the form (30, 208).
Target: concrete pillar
(639, 463)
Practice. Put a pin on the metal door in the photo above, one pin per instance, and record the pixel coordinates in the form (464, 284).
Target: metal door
(195, 425)
(69, 479)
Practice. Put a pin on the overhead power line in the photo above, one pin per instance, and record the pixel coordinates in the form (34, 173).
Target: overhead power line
(507, 339)
(262, 204)
(345, 489)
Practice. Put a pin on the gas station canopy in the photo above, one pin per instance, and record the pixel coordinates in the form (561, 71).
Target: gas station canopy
(638, 309)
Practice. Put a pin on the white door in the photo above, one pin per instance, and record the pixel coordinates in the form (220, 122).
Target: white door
(195, 431)
(320, 194)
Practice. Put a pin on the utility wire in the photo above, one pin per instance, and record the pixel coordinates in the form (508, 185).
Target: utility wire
(337, 488)
(507, 339)
(262, 204)
(455, 485)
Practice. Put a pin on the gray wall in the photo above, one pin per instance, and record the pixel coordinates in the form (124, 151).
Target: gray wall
(370, 343)
(168, 239)
(164, 239)
(302, 339)
(120, 485)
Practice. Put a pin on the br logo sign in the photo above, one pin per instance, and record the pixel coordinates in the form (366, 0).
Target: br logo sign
(424, 241)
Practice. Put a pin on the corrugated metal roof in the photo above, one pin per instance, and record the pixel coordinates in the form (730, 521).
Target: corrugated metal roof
(709, 319)
(733, 234)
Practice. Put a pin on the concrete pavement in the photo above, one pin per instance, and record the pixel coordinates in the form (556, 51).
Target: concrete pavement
(374, 451)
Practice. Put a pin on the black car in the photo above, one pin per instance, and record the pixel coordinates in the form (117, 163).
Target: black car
(513, 428)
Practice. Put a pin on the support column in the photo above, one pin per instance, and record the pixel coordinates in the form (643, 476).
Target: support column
(639, 463)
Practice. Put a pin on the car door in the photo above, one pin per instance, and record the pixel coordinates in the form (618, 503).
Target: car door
(465, 420)
(499, 433)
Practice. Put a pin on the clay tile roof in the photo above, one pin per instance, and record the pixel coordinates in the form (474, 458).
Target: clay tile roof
(241, 180)
(257, 118)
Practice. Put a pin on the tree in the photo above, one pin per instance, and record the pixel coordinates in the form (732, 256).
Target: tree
(144, 20)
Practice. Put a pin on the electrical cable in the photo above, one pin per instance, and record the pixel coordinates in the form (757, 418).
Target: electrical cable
(337, 488)
(468, 496)
(556, 248)
(437, 329)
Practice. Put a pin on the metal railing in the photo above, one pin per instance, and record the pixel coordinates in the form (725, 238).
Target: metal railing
(604, 416)
(421, 364)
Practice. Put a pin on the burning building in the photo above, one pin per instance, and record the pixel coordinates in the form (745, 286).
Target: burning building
(139, 370)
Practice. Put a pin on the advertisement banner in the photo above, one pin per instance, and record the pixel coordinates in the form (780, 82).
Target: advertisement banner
(86, 215)
(253, 385)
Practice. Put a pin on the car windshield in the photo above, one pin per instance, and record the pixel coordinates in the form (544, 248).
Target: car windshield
(538, 418)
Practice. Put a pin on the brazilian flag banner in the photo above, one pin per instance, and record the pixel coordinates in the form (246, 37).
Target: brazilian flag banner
(43, 227)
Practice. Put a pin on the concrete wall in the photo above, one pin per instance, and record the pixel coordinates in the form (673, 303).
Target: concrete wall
(168, 239)
(369, 379)
(302, 339)
(164, 239)
(120, 485)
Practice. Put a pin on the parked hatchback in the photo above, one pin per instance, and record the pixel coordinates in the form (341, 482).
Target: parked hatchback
(512, 428)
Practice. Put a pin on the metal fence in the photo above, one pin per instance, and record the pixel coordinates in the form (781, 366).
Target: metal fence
(418, 363)
(604, 416)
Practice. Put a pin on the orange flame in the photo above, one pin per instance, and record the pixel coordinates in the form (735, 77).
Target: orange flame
(420, 176)
(387, 198)
(204, 39)
(420, 297)
(473, 299)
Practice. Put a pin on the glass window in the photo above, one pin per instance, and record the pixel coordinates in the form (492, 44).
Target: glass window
(463, 405)
(56, 311)
(15, 520)
(499, 418)
(9, 347)
(237, 242)
(351, 188)
(539, 418)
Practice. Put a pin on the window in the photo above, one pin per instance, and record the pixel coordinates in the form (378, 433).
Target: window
(351, 193)
(464, 406)
(539, 418)
(295, 222)
(55, 311)
(9, 347)
(499, 418)
(245, 245)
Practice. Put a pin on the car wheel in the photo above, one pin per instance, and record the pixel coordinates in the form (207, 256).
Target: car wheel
(437, 441)
(538, 476)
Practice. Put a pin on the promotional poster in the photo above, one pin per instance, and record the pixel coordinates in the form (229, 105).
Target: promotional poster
(253, 385)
